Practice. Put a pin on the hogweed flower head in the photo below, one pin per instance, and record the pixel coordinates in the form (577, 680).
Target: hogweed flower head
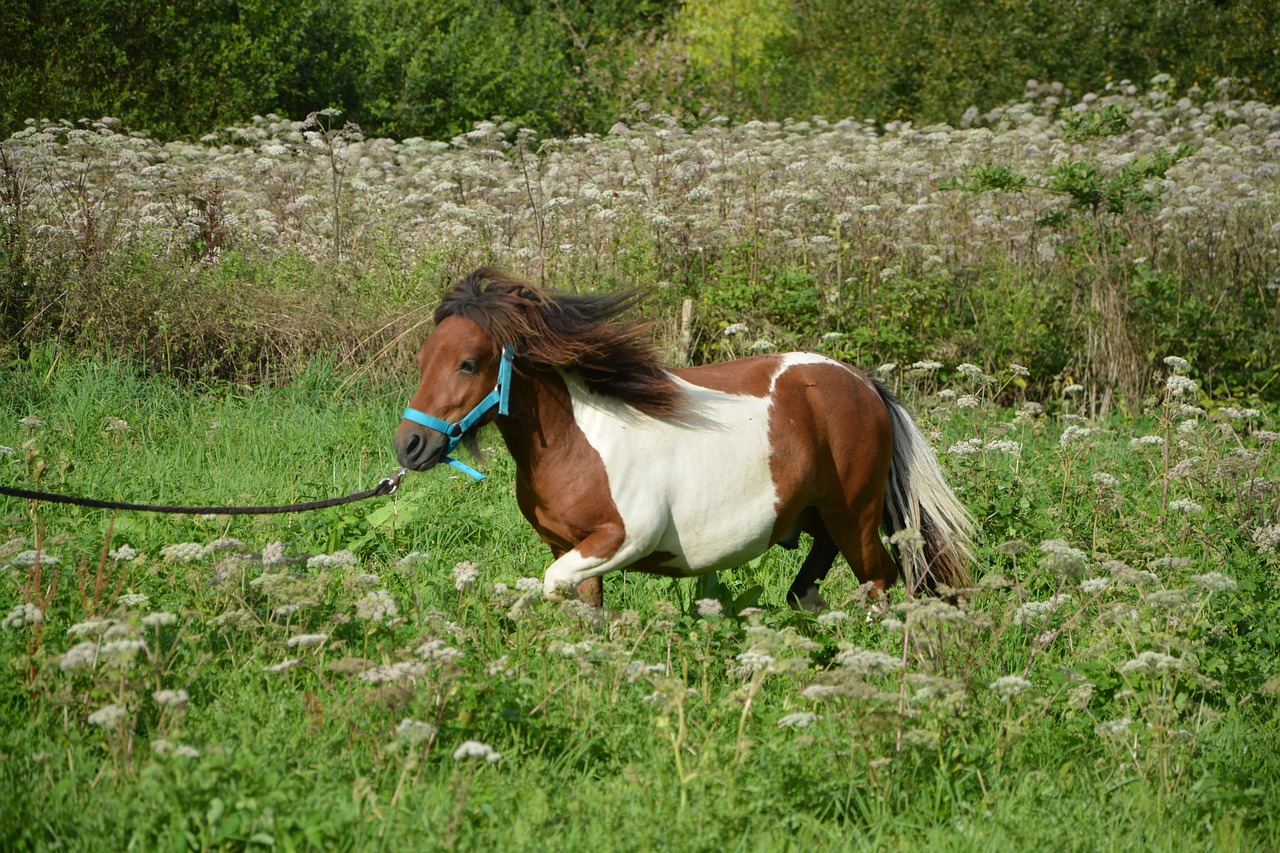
(378, 607)
(464, 574)
(1150, 662)
(1114, 728)
(123, 554)
(184, 552)
(798, 720)
(1008, 686)
(171, 698)
(1213, 582)
(108, 716)
(708, 607)
(159, 619)
(1178, 385)
(413, 732)
(22, 615)
(82, 655)
(474, 750)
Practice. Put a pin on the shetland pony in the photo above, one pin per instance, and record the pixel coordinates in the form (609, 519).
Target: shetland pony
(622, 463)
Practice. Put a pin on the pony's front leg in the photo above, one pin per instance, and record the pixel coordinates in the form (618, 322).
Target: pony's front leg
(598, 554)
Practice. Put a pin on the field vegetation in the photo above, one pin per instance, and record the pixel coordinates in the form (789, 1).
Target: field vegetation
(388, 675)
(1073, 285)
(1084, 237)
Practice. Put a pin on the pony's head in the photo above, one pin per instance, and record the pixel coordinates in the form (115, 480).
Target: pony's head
(490, 312)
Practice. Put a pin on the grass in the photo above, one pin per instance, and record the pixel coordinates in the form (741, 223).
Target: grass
(998, 723)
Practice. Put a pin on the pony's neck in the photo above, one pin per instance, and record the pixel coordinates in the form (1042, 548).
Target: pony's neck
(540, 420)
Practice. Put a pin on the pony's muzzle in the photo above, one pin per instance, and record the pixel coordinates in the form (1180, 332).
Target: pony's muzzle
(419, 448)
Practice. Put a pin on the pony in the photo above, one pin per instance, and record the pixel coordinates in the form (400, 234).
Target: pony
(622, 463)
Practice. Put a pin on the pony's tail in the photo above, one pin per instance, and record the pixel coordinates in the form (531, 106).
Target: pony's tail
(918, 497)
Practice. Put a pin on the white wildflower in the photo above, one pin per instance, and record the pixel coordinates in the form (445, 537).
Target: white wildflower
(1180, 386)
(1213, 582)
(414, 731)
(1152, 662)
(334, 560)
(409, 670)
(1035, 611)
(183, 552)
(867, 662)
(1075, 433)
(708, 607)
(377, 606)
(1183, 505)
(133, 599)
(735, 329)
(464, 574)
(22, 615)
(273, 554)
(1008, 686)
(82, 655)
(1092, 585)
(1113, 728)
(307, 641)
(108, 716)
(124, 553)
(1179, 365)
(288, 663)
(798, 720)
(832, 616)
(171, 698)
(438, 650)
(474, 749)
(159, 619)
(28, 558)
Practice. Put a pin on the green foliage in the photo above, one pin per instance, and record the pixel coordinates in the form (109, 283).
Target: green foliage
(1141, 709)
(407, 68)
(1080, 125)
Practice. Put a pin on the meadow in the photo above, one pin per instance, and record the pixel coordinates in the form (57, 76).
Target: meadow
(1075, 293)
(386, 675)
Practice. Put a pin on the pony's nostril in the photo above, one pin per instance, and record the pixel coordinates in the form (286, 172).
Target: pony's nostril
(414, 446)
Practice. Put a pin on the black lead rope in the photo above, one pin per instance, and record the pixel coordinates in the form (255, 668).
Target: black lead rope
(386, 486)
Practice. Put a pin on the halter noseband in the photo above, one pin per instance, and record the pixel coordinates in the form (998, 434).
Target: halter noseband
(500, 396)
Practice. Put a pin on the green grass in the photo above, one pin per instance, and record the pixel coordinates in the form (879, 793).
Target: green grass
(640, 729)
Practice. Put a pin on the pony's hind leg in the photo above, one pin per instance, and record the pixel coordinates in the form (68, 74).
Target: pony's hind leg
(804, 594)
(856, 533)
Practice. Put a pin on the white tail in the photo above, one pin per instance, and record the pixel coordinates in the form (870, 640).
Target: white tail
(918, 497)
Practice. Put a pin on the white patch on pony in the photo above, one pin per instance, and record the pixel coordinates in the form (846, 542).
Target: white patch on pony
(699, 489)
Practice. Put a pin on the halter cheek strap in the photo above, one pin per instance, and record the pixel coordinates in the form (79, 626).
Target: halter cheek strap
(500, 396)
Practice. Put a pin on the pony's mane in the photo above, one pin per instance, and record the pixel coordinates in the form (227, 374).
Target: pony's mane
(573, 332)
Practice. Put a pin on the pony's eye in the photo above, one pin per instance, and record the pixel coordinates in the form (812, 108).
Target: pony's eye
(468, 366)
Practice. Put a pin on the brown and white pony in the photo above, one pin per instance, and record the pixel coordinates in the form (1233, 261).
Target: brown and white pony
(624, 464)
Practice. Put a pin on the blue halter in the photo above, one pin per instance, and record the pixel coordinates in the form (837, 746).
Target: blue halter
(500, 396)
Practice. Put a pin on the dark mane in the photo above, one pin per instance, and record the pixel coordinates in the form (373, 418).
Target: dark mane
(579, 333)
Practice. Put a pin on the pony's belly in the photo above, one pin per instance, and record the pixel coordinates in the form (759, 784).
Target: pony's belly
(695, 496)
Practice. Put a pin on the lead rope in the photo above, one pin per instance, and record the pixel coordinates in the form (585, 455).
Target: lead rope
(386, 486)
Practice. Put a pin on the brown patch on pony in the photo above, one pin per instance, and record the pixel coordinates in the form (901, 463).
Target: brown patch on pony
(573, 332)
(749, 377)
